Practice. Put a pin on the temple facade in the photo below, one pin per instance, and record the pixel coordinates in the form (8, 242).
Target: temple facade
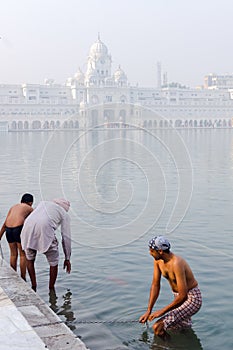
(100, 98)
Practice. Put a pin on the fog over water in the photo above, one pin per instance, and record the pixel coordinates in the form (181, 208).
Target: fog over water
(51, 39)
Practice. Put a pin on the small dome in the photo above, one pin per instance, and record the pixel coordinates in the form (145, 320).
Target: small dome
(69, 81)
(79, 76)
(120, 74)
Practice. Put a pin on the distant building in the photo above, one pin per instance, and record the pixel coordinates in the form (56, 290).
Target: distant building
(216, 81)
(99, 98)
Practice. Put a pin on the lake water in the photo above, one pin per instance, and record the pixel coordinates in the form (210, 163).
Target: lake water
(126, 186)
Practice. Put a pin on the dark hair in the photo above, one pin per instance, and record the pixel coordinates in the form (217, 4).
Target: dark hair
(164, 250)
(27, 198)
(167, 250)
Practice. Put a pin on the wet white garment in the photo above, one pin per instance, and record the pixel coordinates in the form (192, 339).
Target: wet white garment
(39, 228)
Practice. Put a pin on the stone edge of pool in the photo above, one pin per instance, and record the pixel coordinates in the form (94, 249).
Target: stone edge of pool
(27, 321)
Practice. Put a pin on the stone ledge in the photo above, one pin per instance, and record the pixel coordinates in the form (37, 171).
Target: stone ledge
(40, 318)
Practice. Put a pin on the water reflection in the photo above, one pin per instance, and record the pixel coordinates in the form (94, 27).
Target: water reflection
(145, 338)
(65, 309)
(186, 339)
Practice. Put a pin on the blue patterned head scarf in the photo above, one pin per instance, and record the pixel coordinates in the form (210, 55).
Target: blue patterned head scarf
(159, 242)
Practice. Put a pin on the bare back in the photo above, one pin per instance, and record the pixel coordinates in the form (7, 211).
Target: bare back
(17, 214)
(174, 270)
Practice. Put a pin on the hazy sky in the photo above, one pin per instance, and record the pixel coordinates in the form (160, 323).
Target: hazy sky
(51, 38)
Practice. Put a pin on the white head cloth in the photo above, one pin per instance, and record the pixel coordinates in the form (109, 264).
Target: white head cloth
(63, 203)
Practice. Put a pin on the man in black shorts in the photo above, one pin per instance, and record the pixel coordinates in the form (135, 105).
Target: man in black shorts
(13, 226)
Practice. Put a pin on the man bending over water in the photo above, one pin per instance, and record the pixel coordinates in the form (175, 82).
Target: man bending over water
(39, 235)
(187, 296)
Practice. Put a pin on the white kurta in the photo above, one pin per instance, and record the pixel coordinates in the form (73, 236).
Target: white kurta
(39, 228)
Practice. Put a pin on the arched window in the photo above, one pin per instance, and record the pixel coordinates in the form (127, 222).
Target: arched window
(36, 124)
(166, 123)
(46, 125)
(26, 125)
(178, 123)
(20, 125)
(14, 125)
(71, 124)
(52, 124)
(123, 99)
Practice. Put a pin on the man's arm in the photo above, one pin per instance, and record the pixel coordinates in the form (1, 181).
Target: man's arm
(3, 229)
(154, 292)
(66, 242)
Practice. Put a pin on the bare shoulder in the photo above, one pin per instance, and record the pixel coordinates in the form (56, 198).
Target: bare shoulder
(28, 207)
(178, 261)
(25, 208)
(15, 208)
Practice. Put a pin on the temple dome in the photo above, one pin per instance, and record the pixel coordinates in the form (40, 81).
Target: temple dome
(98, 49)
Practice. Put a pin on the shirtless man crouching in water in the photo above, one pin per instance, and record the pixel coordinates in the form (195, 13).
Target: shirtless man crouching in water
(13, 226)
(187, 296)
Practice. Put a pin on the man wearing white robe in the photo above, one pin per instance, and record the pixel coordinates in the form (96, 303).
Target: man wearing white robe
(38, 235)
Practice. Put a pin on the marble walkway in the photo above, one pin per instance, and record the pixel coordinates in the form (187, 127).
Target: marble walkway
(26, 322)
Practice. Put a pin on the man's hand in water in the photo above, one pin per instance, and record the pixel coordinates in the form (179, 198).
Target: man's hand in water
(144, 317)
(67, 266)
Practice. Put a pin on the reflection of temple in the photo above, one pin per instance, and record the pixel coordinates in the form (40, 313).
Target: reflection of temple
(101, 99)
